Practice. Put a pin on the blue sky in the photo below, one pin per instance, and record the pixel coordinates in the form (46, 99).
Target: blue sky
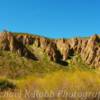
(51, 18)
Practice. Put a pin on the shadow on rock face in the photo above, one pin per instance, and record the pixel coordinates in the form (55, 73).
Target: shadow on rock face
(30, 56)
(61, 62)
(23, 51)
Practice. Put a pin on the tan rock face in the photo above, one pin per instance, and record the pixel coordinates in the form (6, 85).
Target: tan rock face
(91, 53)
(25, 39)
(9, 42)
(6, 41)
(64, 48)
(52, 52)
(61, 49)
(44, 43)
(57, 50)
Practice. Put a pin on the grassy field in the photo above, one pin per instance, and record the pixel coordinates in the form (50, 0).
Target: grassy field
(59, 85)
(25, 79)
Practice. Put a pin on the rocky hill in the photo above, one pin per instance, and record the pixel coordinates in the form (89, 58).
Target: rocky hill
(57, 50)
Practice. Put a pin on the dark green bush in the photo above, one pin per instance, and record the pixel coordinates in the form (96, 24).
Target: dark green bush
(5, 85)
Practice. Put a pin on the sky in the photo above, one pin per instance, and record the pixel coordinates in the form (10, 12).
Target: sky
(51, 18)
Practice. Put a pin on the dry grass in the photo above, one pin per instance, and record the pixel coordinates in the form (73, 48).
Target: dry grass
(45, 76)
(77, 81)
(56, 82)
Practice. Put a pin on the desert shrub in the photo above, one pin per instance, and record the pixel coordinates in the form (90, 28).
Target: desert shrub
(5, 85)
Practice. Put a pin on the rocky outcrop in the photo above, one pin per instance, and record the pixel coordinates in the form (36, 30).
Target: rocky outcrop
(52, 52)
(7, 41)
(10, 43)
(57, 49)
(62, 49)
(91, 52)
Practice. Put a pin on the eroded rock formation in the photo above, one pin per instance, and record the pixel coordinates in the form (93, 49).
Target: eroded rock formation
(11, 43)
(57, 50)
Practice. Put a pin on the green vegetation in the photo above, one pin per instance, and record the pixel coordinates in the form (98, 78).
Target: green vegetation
(20, 73)
(6, 84)
(14, 66)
